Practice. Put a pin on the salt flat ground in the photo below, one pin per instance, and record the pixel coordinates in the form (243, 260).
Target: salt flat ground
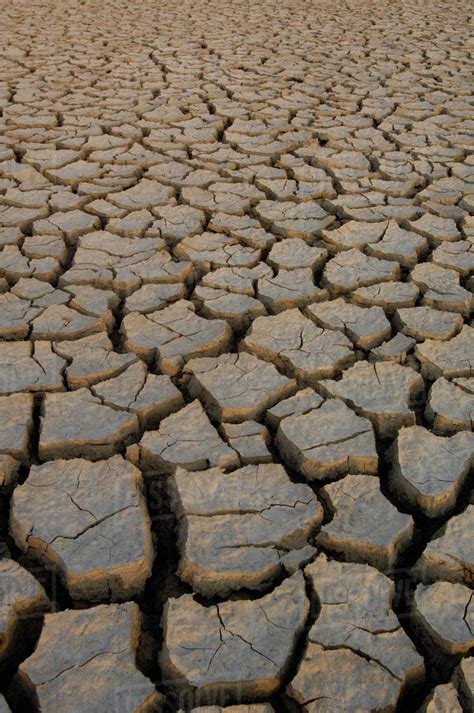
(237, 356)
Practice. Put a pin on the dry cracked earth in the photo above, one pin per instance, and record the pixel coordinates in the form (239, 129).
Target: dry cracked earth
(236, 357)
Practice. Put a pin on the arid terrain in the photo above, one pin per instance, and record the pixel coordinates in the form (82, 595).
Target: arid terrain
(236, 356)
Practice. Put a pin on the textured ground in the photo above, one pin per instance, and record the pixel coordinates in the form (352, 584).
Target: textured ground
(236, 357)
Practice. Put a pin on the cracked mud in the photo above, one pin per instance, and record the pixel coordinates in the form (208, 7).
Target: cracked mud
(236, 357)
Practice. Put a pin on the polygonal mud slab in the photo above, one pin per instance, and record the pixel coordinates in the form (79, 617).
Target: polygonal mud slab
(448, 555)
(9, 468)
(174, 335)
(304, 401)
(292, 220)
(288, 289)
(356, 613)
(150, 396)
(450, 405)
(457, 256)
(239, 280)
(177, 222)
(395, 349)
(237, 647)
(374, 207)
(388, 295)
(145, 194)
(351, 269)
(149, 298)
(77, 424)
(16, 426)
(234, 529)
(320, 685)
(443, 616)
(366, 327)
(429, 471)
(59, 322)
(246, 229)
(293, 254)
(131, 225)
(237, 310)
(36, 309)
(355, 634)
(441, 288)
(231, 198)
(328, 442)
(16, 316)
(365, 527)
(237, 387)
(250, 440)
(30, 366)
(454, 357)
(75, 172)
(354, 234)
(85, 661)
(296, 346)
(109, 261)
(91, 359)
(15, 266)
(398, 244)
(89, 522)
(213, 250)
(443, 699)
(384, 392)
(428, 323)
(69, 224)
(185, 439)
(22, 600)
(436, 228)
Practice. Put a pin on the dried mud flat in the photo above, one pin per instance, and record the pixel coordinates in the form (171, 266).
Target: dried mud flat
(236, 357)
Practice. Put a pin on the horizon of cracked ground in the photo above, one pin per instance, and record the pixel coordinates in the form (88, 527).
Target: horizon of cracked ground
(236, 357)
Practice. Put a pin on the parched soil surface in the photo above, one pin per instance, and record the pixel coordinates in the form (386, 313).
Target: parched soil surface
(236, 356)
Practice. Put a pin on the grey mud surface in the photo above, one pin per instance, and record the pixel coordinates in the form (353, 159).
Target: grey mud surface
(236, 357)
